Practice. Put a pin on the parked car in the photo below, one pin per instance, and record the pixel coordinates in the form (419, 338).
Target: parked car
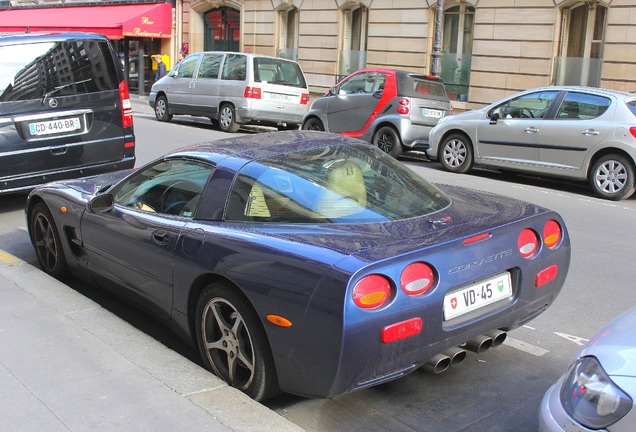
(393, 109)
(233, 89)
(577, 133)
(598, 390)
(65, 110)
(305, 261)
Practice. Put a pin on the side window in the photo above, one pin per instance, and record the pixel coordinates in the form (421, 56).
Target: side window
(529, 106)
(582, 106)
(186, 68)
(360, 83)
(169, 186)
(210, 66)
(234, 67)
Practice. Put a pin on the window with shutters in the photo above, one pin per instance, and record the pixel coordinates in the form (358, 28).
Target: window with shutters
(457, 48)
(353, 49)
(288, 20)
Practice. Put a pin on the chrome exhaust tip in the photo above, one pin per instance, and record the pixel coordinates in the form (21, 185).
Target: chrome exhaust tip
(479, 344)
(456, 354)
(438, 363)
(498, 337)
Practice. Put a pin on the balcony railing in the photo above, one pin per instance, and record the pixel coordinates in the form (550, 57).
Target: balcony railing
(456, 75)
(577, 71)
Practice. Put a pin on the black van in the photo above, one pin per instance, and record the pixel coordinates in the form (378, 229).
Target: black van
(65, 110)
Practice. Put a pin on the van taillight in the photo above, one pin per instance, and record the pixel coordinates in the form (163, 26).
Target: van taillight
(126, 105)
(304, 99)
(252, 92)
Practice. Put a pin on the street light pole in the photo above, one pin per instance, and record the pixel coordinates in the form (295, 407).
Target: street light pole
(436, 64)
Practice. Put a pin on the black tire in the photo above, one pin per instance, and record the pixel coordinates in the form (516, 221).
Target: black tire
(47, 242)
(313, 124)
(161, 109)
(227, 120)
(612, 177)
(233, 343)
(388, 140)
(456, 154)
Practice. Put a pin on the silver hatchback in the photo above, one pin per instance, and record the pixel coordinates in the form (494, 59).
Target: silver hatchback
(578, 133)
(233, 89)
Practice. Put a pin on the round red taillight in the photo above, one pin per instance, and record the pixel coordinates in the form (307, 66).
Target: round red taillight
(528, 243)
(417, 278)
(372, 292)
(404, 106)
(552, 234)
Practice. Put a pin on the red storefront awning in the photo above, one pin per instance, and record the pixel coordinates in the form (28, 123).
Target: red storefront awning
(116, 21)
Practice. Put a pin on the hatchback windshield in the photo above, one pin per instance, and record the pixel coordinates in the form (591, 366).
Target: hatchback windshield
(277, 71)
(340, 184)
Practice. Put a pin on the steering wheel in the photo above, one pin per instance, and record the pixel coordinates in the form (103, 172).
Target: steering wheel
(523, 111)
(184, 184)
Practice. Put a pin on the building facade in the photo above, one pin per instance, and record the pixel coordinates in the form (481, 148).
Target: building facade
(490, 48)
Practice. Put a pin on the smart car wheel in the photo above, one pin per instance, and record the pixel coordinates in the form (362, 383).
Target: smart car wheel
(313, 124)
(226, 119)
(612, 177)
(161, 109)
(47, 242)
(233, 343)
(456, 154)
(388, 140)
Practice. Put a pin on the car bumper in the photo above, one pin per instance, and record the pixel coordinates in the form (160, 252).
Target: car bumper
(269, 114)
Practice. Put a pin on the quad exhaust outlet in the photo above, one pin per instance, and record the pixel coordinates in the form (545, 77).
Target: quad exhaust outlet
(455, 355)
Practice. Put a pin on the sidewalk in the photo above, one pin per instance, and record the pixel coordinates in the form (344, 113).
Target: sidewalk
(67, 364)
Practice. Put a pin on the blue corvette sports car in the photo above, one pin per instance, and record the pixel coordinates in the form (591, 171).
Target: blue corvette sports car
(305, 262)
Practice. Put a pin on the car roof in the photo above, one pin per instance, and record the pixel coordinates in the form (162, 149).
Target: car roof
(245, 54)
(13, 38)
(253, 147)
(596, 90)
(401, 72)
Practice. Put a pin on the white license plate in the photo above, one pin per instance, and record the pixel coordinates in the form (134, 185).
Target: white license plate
(55, 126)
(432, 113)
(477, 296)
(278, 96)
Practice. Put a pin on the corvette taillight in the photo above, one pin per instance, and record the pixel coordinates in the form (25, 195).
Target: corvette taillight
(404, 106)
(528, 243)
(252, 92)
(552, 234)
(417, 278)
(126, 105)
(372, 291)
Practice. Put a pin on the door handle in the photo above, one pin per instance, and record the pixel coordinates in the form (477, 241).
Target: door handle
(161, 237)
(531, 129)
(590, 132)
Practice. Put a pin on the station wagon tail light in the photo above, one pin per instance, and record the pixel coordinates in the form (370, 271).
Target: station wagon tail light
(304, 99)
(404, 106)
(126, 105)
(417, 278)
(632, 130)
(252, 92)
(372, 291)
(552, 234)
(528, 243)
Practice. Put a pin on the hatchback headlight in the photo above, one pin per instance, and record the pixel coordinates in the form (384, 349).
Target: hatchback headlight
(590, 397)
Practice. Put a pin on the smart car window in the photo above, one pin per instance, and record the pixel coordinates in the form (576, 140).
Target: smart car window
(360, 83)
(582, 106)
(341, 184)
(210, 66)
(170, 187)
(529, 106)
(187, 65)
(32, 70)
(234, 67)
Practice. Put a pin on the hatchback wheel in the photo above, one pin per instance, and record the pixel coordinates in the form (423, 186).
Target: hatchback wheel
(313, 124)
(47, 242)
(388, 140)
(227, 122)
(161, 109)
(612, 177)
(456, 154)
(233, 343)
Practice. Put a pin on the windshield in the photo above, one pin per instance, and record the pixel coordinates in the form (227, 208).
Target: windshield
(276, 71)
(340, 184)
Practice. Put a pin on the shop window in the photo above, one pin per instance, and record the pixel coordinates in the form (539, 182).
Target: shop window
(581, 48)
(457, 48)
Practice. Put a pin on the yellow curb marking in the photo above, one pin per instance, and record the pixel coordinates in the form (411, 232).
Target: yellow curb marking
(8, 258)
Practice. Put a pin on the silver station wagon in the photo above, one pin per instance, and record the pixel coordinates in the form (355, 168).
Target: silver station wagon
(578, 133)
(233, 89)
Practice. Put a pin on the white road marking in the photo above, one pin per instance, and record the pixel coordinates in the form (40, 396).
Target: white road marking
(525, 347)
(577, 340)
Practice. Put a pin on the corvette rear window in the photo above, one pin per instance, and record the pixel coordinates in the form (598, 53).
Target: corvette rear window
(339, 184)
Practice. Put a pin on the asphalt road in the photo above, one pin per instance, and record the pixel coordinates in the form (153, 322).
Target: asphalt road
(499, 390)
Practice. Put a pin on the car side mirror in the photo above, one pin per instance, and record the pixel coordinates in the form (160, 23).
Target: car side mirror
(494, 116)
(101, 203)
